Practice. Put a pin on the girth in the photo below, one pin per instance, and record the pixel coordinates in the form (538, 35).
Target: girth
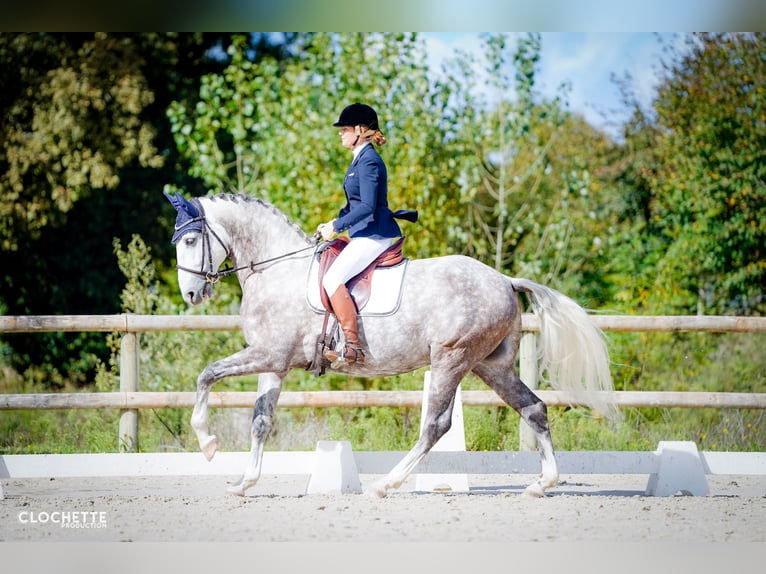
(360, 285)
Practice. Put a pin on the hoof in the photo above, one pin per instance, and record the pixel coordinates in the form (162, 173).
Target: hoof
(239, 487)
(235, 490)
(210, 447)
(534, 491)
(376, 491)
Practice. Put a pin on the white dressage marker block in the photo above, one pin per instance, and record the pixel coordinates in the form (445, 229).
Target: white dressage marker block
(334, 469)
(679, 470)
(452, 441)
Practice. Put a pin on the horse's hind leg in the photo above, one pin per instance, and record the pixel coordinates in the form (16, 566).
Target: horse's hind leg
(437, 423)
(441, 399)
(506, 383)
(269, 387)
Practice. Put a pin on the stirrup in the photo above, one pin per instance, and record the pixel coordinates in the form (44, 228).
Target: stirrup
(343, 358)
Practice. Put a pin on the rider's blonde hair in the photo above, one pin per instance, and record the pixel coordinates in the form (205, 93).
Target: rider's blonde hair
(375, 136)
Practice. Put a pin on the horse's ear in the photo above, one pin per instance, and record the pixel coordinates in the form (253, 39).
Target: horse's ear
(181, 204)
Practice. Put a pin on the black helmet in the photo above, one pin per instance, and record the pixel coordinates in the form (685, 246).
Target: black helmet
(358, 115)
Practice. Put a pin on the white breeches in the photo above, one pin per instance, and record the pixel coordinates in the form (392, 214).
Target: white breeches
(355, 257)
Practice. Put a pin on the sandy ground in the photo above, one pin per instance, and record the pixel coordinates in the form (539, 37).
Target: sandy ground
(584, 508)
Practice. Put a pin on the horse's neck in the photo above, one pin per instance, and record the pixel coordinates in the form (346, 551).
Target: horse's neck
(256, 231)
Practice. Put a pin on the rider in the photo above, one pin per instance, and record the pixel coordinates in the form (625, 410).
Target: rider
(366, 216)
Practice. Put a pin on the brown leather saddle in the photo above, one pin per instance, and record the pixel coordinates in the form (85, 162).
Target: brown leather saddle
(359, 286)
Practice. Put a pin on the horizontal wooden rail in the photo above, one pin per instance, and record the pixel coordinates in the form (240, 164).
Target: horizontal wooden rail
(144, 323)
(354, 399)
(711, 323)
(129, 399)
(124, 323)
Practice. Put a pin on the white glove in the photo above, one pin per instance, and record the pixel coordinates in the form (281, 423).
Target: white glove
(326, 230)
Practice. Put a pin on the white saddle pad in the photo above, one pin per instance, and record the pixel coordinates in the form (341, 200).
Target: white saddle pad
(385, 294)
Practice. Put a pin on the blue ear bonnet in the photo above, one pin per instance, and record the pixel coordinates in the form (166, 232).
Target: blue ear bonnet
(188, 219)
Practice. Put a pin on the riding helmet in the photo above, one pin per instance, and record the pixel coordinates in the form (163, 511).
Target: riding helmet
(358, 115)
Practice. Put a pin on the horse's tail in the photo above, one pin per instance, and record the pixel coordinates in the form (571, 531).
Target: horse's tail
(571, 348)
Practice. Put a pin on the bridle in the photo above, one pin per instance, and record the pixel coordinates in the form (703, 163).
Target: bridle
(212, 277)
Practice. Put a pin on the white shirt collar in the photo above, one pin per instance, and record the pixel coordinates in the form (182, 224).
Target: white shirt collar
(356, 151)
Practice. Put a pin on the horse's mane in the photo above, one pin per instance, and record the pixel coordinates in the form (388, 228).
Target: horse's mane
(242, 197)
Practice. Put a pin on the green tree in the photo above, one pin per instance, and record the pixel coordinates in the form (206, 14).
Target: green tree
(265, 128)
(503, 155)
(72, 125)
(637, 243)
(487, 176)
(572, 232)
(527, 174)
(709, 199)
(84, 152)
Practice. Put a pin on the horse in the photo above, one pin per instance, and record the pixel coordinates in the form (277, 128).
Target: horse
(455, 314)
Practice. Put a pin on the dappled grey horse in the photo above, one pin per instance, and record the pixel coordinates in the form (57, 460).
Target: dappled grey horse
(455, 314)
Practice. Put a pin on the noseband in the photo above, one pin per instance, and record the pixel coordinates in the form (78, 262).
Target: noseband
(211, 276)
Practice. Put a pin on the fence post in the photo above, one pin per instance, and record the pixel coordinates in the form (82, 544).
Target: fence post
(128, 438)
(528, 374)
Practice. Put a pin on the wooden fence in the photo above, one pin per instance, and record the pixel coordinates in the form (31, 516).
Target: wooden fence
(129, 398)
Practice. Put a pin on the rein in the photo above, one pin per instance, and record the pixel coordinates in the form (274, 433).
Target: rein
(213, 277)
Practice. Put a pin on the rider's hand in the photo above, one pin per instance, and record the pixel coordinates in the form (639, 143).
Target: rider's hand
(326, 230)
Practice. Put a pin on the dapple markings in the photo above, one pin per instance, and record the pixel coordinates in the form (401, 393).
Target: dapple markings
(456, 315)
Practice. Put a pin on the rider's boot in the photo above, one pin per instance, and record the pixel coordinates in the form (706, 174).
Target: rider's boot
(345, 310)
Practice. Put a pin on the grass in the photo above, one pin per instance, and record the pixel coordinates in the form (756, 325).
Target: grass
(381, 428)
(685, 362)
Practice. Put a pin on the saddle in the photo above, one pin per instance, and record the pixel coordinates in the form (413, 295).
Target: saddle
(359, 286)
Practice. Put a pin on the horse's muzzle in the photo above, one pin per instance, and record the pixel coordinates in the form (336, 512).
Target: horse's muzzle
(200, 296)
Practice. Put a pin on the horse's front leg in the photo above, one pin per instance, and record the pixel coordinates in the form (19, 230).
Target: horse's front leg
(208, 443)
(240, 363)
(269, 387)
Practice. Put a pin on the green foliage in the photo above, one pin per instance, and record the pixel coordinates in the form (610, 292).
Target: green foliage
(265, 128)
(84, 108)
(528, 174)
(76, 169)
(703, 197)
(507, 157)
(55, 431)
(669, 220)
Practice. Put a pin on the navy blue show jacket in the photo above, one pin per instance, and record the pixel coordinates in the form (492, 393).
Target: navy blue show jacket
(366, 213)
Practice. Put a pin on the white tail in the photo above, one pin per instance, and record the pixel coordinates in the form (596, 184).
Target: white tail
(571, 348)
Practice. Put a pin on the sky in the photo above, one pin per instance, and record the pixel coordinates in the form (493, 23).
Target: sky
(586, 60)
(391, 15)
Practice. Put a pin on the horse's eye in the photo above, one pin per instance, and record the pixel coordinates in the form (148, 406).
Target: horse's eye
(190, 240)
